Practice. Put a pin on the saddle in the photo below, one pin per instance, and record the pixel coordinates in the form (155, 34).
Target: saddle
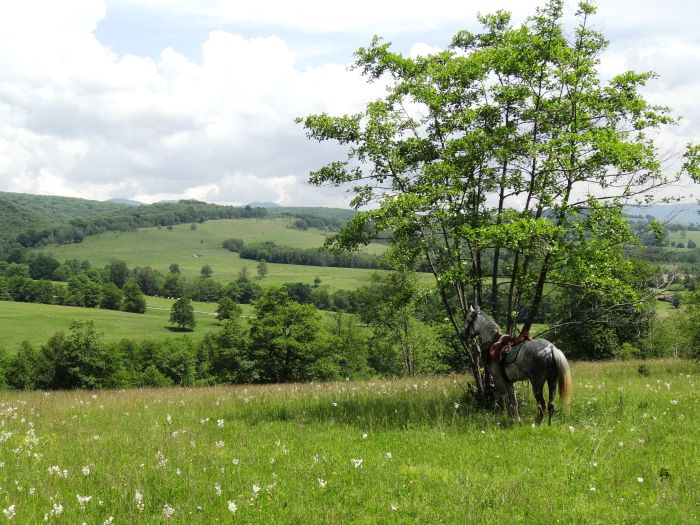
(502, 346)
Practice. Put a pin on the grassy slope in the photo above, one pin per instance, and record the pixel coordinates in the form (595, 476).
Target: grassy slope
(36, 323)
(624, 452)
(161, 247)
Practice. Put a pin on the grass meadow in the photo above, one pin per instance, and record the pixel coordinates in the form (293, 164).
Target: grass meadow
(626, 450)
(192, 249)
(36, 323)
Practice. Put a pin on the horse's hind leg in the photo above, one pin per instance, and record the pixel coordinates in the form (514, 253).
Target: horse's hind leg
(552, 385)
(537, 391)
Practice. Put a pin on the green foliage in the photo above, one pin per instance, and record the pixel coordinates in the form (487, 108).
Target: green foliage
(111, 297)
(133, 300)
(23, 368)
(601, 320)
(262, 268)
(233, 245)
(225, 357)
(227, 309)
(271, 252)
(182, 313)
(487, 151)
(118, 272)
(42, 266)
(78, 360)
(284, 337)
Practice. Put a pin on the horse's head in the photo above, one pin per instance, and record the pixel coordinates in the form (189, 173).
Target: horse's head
(469, 332)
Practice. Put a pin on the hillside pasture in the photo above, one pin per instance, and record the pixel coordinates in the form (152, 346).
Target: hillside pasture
(36, 323)
(192, 249)
(407, 451)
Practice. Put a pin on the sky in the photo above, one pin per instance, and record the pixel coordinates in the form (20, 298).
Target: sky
(167, 99)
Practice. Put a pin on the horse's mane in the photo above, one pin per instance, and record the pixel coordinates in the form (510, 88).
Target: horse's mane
(489, 328)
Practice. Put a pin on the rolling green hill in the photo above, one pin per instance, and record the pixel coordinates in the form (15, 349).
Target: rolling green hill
(21, 211)
(192, 249)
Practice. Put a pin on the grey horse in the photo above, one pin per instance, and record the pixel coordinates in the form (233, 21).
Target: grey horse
(537, 360)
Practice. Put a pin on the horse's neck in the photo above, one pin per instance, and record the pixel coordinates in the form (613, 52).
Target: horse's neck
(489, 333)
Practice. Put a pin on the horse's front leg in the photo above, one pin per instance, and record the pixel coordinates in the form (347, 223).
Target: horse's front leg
(513, 402)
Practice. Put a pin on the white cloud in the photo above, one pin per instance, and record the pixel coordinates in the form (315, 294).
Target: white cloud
(77, 118)
(91, 122)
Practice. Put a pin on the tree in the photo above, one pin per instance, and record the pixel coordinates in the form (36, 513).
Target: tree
(42, 266)
(182, 313)
(78, 360)
(133, 299)
(391, 306)
(284, 337)
(173, 285)
(148, 279)
(23, 368)
(227, 309)
(174, 268)
(502, 162)
(206, 271)
(262, 268)
(111, 297)
(118, 272)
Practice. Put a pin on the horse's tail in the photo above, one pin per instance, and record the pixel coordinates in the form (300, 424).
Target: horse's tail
(564, 372)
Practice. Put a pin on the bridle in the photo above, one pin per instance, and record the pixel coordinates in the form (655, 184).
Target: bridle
(468, 329)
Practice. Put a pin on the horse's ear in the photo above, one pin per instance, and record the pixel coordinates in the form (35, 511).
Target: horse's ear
(471, 309)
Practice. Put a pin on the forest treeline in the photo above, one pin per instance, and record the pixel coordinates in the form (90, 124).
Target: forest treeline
(394, 334)
(270, 252)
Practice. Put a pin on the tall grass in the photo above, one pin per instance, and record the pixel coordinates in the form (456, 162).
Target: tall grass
(405, 451)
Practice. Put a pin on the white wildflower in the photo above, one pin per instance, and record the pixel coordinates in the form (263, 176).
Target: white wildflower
(217, 488)
(57, 509)
(220, 423)
(219, 444)
(389, 455)
(357, 463)
(86, 470)
(82, 500)
(169, 418)
(394, 507)
(109, 521)
(322, 483)
(162, 460)
(674, 401)
(232, 507)
(640, 479)
(591, 488)
(168, 511)
(138, 499)
(256, 489)
(9, 512)
(235, 461)
(364, 435)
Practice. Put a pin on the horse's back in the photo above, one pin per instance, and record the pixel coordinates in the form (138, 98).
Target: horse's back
(534, 362)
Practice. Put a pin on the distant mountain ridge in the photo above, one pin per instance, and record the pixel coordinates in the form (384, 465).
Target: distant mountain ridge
(684, 212)
(266, 204)
(128, 202)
